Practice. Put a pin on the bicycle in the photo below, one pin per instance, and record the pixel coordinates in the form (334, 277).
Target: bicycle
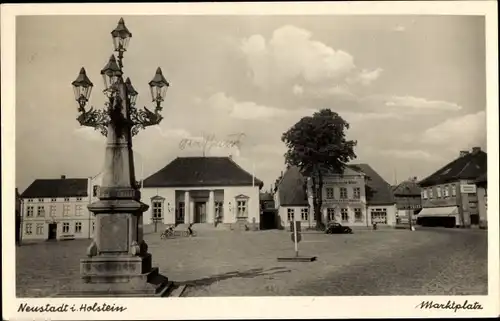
(169, 232)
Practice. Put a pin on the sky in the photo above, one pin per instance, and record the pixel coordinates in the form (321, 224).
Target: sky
(412, 88)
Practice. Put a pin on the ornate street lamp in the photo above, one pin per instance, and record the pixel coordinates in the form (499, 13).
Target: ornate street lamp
(118, 262)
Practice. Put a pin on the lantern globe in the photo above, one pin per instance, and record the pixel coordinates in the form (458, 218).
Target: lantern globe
(131, 92)
(121, 36)
(111, 73)
(158, 86)
(82, 86)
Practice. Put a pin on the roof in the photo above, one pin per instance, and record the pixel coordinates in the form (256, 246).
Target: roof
(378, 191)
(62, 187)
(266, 197)
(292, 188)
(201, 171)
(469, 166)
(482, 179)
(406, 188)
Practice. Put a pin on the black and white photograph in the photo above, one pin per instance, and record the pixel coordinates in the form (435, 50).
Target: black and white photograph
(250, 152)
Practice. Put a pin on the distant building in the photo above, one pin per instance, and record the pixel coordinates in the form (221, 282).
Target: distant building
(56, 209)
(358, 197)
(18, 216)
(407, 195)
(268, 212)
(482, 199)
(203, 191)
(449, 196)
(291, 199)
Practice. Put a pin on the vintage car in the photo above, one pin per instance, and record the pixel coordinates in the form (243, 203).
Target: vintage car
(337, 228)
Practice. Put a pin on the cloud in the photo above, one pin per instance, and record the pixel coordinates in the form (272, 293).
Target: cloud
(399, 28)
(292, 54)
(365, 77)
(458, 133)
(298, 90)
(416, 154)
(421, 103)
(242, 110)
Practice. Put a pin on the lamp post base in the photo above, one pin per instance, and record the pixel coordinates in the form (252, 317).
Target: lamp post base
(119, 276)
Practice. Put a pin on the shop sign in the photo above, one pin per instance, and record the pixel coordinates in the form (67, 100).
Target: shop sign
(468, 189)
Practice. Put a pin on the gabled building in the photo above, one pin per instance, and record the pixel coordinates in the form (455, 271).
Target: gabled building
(449, 196)
(204, 191)
(407, 195)
(56, 209)
(291, 199)
(358, 197)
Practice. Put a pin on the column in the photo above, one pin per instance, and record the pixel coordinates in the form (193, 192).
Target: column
(187, 207)
(211, 207)
(191, 211)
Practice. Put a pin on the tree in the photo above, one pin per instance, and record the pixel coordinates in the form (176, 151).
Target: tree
(317, 145)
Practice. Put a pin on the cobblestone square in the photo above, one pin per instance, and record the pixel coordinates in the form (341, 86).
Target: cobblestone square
(384, 262)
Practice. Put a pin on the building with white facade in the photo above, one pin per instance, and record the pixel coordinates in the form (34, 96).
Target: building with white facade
(449, 196)
(358, 197)
(56, 209)
(204, 191)
(482, 200)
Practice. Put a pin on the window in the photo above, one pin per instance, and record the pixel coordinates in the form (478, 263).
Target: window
(446, 191)
(379, 215)
(28, 229)
(423, 194)
(65, 228)
(304, 214)
(53, 199)
(330, 193)
(93, 226)
(29, 211)
(344, 214)
(330, 213)
(40, 200)
(78, 227)
(53, 210)
(39, 229)
(343, 193)
(219, 209)
(78, 210)
(241, 209)
(438, 192)
(357, 193)
(66, 199)
(65, 210)
(95, 190)
(358, 216)
(79, 199)
(40, 211)
(453, 190)
(157, 210)
(430, 193)
(290, 213)
(30, 200)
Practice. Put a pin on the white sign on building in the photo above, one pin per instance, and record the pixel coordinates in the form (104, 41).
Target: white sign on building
(468, 188)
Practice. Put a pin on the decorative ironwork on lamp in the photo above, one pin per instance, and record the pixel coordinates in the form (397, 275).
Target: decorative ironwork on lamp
(112, 74)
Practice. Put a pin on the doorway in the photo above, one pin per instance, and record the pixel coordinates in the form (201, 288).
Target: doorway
(200, 212)
(52, 231)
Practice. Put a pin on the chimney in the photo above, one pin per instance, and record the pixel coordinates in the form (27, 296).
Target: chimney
(463, 153)
(476, 150)
(63, 176)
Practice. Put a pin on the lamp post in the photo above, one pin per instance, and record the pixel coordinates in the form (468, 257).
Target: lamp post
(118, 262)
